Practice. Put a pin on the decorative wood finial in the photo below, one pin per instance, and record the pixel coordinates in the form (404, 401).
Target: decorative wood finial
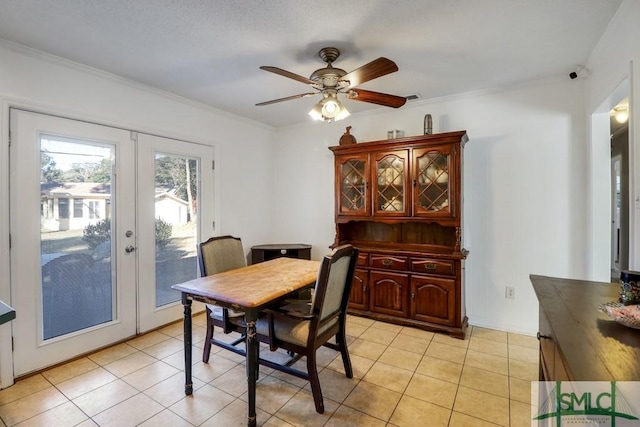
(347, 138)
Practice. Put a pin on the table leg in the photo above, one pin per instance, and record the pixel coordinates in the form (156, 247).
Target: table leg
(251, 316)
(188, 383)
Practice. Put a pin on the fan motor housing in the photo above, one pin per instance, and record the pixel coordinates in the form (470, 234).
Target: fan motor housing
(328, 77)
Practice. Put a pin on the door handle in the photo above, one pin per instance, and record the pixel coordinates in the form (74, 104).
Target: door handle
(129, 249)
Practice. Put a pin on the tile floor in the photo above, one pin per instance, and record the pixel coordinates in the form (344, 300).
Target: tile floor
(402, 377)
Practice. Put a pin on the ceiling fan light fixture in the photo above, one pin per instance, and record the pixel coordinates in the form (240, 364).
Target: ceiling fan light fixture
(329, 109)
(316, 112)
(330, 81)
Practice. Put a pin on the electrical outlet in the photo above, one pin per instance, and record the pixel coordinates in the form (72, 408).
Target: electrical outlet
(510, 292)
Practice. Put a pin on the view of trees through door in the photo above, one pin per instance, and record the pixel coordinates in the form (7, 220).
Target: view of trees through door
(176, 211)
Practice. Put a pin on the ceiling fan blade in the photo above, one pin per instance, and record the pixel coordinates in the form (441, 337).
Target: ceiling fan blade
(376, 98)
(288, 98)
(288, 74)
(374, 69)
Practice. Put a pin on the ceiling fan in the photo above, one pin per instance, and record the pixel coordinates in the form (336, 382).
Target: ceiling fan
(330, 81)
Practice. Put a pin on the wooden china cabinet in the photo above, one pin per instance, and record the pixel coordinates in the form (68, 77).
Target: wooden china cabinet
(400, 202)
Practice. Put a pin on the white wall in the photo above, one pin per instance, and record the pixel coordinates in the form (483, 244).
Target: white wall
(525, 194)
(243, 168)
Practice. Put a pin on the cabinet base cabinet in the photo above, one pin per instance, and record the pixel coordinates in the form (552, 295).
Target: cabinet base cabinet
(407, 297)
(547, 349)
(576, 342)
(552, 367)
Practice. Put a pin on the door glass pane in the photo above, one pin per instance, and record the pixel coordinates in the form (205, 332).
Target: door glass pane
(353, 186)
(75, 235)
(433, 182)
(390, 175)
(176, 216)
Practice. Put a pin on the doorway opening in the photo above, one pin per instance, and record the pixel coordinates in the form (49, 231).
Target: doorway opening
(620, 194)
(612, 219)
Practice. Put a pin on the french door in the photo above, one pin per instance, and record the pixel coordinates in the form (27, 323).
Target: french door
(175, 212)
(101, 221)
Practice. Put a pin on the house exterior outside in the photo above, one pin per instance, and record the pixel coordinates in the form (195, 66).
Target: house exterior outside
(74, 205)
(171, 208)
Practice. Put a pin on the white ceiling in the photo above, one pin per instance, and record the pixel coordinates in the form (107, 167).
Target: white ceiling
(210, 50)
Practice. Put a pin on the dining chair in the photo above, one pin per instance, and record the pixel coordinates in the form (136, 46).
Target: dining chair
(216, 255)
(303, 328)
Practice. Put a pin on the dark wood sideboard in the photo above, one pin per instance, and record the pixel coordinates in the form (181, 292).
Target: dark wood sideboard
(577, 342)
(261, 253)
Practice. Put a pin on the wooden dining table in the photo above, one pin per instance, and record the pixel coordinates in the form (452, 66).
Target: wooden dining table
(248, 289)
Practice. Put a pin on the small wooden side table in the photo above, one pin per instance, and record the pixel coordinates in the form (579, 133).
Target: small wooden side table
(261, 253)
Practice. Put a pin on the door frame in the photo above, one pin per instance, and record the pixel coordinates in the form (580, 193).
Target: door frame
(6, 103)
(6, 353)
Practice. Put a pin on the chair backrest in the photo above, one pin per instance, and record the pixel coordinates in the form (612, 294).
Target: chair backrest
(334, 282)
(220, 254)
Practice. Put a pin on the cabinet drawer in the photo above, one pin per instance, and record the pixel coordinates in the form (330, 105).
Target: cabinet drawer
(389, 262)
(363, 259)
(433, 266)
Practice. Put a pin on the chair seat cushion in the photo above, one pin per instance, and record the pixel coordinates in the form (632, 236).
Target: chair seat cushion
(286, 329)
(294, 331)
(216, 312)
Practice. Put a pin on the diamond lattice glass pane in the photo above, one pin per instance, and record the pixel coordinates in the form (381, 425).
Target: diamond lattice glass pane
(353, 186)
(390, 176)
(433, 181)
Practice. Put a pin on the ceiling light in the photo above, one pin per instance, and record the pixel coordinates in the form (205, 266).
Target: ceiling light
(621, 115)
(329, 108)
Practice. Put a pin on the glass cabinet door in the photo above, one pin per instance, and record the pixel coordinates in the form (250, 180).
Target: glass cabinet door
(352, 191)
(433, 181)
(390, 195)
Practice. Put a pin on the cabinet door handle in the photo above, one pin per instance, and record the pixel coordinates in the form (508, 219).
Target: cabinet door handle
(430, 266)
(413, 295)
(387, 262)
